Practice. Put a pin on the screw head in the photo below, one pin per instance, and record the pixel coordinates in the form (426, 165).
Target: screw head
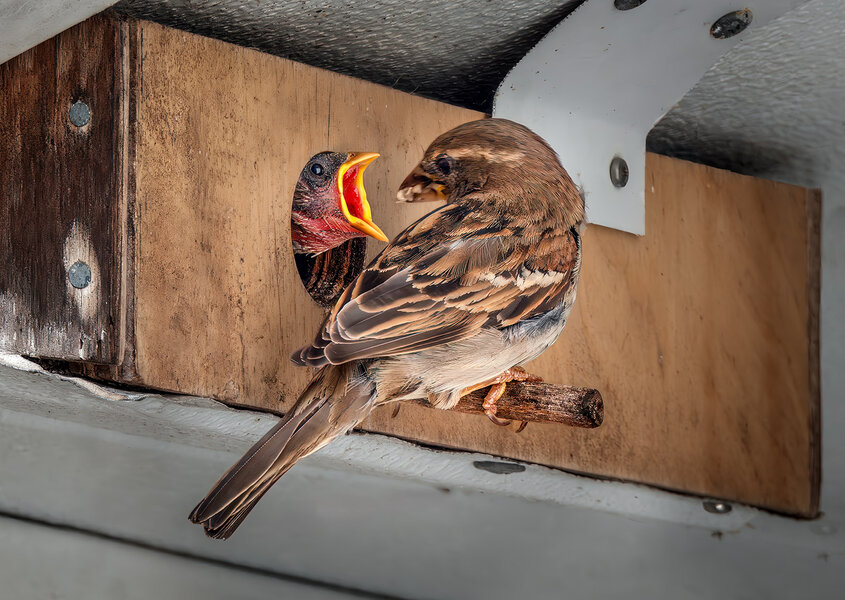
(731, 24)
(627, 4)
(619, 172)
(717, 507)
(79, 114)
(79, 275)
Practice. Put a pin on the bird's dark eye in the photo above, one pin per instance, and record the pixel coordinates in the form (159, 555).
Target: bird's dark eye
(444, 164)
(317, 169)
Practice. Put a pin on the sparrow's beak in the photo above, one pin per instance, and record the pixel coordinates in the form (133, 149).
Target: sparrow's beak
(353, 196)
(418, 187)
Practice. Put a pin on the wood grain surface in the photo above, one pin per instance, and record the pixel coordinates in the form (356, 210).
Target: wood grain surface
(59, 196)
(702, 336)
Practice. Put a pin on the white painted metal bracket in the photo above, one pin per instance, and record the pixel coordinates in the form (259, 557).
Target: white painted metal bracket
(599, 81)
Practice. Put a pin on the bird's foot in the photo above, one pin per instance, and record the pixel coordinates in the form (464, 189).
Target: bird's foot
(489, 405)
(520, 374)
(396, 411)
(497, 389)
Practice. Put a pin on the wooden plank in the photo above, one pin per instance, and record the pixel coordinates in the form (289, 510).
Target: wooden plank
(223, 133)
(701, 337)
(58, 196)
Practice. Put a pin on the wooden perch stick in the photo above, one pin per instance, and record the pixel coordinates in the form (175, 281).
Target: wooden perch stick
(541, 403)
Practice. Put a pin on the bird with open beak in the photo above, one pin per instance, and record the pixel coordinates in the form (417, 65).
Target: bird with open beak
(457, 302)
(330, 203)
(330, 217)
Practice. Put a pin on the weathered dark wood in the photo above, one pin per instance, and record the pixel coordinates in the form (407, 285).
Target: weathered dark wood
(58, 195)
(541, 403)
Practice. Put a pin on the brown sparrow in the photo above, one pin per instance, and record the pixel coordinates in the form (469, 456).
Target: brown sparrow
(475, 288)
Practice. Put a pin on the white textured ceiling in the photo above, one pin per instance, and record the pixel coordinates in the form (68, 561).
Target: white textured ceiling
(773, 106)
(765, 109)
(452, 50)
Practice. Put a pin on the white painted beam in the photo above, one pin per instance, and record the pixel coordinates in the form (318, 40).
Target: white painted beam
(38, 562)
(378, 514)
(26, 23)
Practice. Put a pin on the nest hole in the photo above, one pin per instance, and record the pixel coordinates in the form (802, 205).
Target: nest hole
(327, 274)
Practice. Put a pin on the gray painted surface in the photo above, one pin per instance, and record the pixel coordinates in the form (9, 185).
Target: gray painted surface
(357, 515)
(39, 562)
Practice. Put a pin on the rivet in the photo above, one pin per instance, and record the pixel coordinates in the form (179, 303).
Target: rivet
(731, 24)
(79, 275)
(497, 467)
(79, 114)
(717, 507)
(619, 172)
(627, 4)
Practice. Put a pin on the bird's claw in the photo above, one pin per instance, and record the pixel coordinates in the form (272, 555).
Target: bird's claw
(489, 405)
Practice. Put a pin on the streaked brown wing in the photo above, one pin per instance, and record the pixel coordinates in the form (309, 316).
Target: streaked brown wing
(441, 281)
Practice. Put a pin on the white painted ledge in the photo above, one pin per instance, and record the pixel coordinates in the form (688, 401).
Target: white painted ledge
(38, 562)
(375, 513)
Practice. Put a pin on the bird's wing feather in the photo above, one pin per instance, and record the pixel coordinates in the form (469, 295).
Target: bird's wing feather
(437, 283)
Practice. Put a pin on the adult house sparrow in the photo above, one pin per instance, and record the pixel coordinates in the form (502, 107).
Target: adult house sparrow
(329, 218)
(459, 299)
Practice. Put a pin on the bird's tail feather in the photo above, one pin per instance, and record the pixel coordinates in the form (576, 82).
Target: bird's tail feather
(333, 403)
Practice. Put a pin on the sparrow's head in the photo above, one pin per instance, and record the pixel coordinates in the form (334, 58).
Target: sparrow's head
(494, 158)
(330, 203)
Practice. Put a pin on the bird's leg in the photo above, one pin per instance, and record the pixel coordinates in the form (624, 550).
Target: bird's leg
(499, 383)
(489, 405)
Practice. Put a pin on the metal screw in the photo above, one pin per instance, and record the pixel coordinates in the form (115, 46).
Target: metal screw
(79, 275)
(717, 507)
(79, 113)
(627, 4)
(731, 24)
(619, 172)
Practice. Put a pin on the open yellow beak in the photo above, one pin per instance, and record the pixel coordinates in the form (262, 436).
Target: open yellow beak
(353, 196)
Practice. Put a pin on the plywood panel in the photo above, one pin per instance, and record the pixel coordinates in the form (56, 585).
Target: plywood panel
(702, 336)
(223, 133)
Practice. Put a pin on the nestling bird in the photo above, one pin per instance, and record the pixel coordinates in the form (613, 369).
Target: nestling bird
(456, 302)
(329, 218)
